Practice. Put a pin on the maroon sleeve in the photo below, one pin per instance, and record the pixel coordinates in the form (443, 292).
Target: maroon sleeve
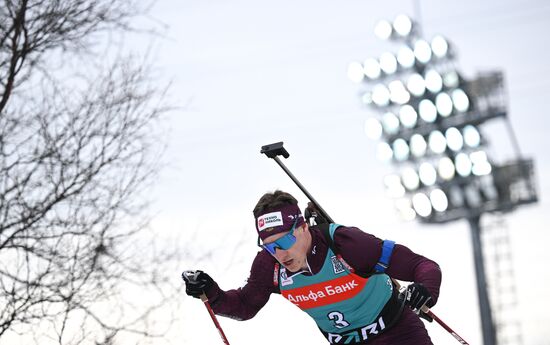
(362, 251)
(409, 266)
(243, 303)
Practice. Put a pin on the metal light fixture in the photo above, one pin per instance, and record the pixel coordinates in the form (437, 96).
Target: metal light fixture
(428, 127)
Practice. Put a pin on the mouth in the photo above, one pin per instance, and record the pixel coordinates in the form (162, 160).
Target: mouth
(288, 262)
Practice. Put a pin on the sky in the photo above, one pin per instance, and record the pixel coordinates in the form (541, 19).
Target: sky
(248, 73)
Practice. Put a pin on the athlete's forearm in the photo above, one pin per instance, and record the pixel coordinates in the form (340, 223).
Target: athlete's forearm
(238, 304)
(245, 302)
(409, 266)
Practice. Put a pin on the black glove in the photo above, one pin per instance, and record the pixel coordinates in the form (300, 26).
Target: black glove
(416, 296)
(196, 283)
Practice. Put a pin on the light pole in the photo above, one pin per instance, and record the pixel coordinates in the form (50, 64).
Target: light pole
(487, 325)
(427, 121)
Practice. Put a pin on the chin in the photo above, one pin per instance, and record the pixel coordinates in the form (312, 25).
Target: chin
(293, 268)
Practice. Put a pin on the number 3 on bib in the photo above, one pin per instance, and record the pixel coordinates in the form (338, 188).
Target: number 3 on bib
(338, 319)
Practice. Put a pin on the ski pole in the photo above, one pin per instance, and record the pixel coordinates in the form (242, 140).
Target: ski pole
(277, 149)
(214, 318)
(428, 312)
(424, 309)
(191, 275)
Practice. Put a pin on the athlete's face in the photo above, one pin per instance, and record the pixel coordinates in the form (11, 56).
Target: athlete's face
(293, 258)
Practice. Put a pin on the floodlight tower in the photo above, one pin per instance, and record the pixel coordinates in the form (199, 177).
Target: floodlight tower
(427, 121)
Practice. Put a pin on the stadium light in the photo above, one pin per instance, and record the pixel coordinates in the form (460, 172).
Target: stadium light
(427, 124)
(439, 46)
(405, 57)
(383, 29)
(388, 63)
(371, 68)
(403, 25)
(355, 72)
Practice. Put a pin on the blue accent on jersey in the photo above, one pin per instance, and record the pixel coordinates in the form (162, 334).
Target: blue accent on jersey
(384, 261)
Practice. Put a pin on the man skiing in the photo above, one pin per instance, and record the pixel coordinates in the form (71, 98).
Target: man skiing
(338, 275)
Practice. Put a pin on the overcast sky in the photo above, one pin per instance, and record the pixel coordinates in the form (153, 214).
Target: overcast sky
(249, 73)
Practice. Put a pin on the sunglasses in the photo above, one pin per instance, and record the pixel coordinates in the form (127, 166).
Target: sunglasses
(284, 243)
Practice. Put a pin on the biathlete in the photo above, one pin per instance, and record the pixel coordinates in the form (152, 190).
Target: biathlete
(338, 275)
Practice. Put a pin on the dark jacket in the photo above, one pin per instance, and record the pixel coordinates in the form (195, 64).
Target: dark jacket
(360, 250)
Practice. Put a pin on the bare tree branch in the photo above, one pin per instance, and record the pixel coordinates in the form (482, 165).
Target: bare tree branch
(75, 155)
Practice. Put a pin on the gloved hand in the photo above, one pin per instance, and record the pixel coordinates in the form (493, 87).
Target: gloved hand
(196, 282)
(416, 296)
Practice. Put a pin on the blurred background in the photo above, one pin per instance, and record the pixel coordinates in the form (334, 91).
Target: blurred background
(244, 73)
(255, 74)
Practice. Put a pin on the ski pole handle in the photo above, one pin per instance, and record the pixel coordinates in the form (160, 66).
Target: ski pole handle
(190, 277)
